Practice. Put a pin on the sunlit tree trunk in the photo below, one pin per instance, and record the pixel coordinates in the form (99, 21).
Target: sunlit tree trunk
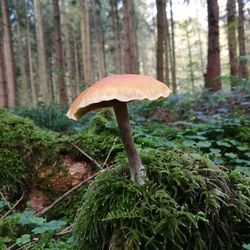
(44, 94)
(243, 71)
(87, 64)
(3, 87)
(130, 47)
(59, 55)
(117, 36)
(68, 65)
(213, 58)
(98, 41)
(23, 95)
(173, 68)
(232, 44)
(8, 55)
(160, 40)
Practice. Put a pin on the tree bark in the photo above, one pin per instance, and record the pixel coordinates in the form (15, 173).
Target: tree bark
(98, 42)
(117, 37)
(87, 64)
(3, 87)
(243, 71)
(59, 54)
(173, 68)
(130, 50)
(166, 43)
(160, 40)
(44, 94)
(23, 95)
(68, 65)
(30, 61)
(213, 58)
(232, 44)
(8, 55)
(190, 56)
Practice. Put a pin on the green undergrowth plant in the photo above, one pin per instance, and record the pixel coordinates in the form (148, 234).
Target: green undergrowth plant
(186, 203)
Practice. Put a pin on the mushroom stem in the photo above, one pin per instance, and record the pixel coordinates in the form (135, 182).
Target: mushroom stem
(135, 165)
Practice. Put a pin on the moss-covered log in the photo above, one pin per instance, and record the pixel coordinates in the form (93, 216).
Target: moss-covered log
(33, 159)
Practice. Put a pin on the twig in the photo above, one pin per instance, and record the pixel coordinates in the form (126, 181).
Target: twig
(111, 149)
(5, 200)
(89, 157)
(70, 191)
(12, 208)
(65, 231)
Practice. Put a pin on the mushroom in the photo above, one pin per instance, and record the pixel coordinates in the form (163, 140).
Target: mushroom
(116, 91)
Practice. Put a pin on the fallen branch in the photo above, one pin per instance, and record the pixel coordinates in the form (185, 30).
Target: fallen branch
(111, 149)
(65, 231)
(12, 208)
(89, 157)
(70, 191)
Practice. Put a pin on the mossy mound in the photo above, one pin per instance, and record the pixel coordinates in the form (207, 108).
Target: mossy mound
(25, 150)
(186, 203)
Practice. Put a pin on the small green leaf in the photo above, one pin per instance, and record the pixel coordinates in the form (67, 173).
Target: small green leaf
(188, 143)
(50, 226)
(223, 143)
(203, 144)
(25, 238)
(231, 155)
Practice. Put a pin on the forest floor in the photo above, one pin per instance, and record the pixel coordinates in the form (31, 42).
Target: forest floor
(44, 155)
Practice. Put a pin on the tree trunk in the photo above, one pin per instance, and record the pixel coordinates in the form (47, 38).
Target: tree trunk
(68, 65)
(98, 42)
(76, 88)
(59, 55)
(173, 68)
(130, 51)
(8, 55)
(117, 37)
(232, 44)
(44, 94)
(30, 61)
(243, 71)
(23, 95)
(3, 87)
(213, 58)
(87, 64)
(166, 44)
(160, 40)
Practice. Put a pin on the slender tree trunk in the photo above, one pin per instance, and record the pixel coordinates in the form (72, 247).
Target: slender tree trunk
(166, 44)
(44, 88)
(116, 34)
(190, 56)
(213, 59)
(76, 64)
(130, 54)
(173, 69)
(201, 55)
(99, 42)
(232, 44)
(68, 65)
(3, 87)
(23, 95)
(59, 54)
(243, 71)
(30, 61)
(8, 55)
(87, 64)
(160, 40)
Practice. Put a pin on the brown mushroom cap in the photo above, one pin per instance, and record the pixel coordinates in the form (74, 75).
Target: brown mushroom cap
(124, 88)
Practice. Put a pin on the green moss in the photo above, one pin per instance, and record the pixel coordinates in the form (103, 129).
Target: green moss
(187, 203)
(24, 147)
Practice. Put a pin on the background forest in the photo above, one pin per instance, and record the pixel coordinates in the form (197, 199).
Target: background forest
(66, 185)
